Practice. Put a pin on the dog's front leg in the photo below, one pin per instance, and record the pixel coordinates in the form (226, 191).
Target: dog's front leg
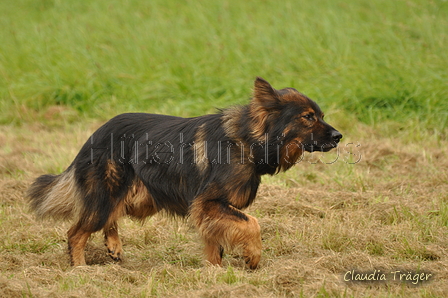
(224, 226)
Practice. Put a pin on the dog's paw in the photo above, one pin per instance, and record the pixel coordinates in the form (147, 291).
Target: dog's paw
(114, 250)
(252, 261)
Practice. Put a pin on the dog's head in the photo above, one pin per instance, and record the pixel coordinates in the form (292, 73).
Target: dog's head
(292, 115)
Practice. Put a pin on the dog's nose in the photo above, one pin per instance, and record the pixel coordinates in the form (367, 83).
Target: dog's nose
(336, 136)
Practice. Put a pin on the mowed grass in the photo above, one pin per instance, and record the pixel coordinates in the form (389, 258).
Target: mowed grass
(377, 68)
(379, 204)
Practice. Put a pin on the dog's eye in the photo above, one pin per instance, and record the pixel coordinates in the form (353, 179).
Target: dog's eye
(309, 116)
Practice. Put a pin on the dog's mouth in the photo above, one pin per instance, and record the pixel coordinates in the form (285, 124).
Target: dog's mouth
(320, 148)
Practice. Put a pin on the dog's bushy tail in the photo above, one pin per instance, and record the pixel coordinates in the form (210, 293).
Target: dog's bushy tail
(55, 196)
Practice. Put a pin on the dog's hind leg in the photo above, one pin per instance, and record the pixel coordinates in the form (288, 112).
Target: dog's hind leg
(112, 241)
(77, 239)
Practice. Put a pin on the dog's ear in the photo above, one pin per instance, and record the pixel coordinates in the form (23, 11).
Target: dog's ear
(264, 94)
(264, 105)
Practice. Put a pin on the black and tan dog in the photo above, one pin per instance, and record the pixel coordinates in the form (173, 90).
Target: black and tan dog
(207, 168)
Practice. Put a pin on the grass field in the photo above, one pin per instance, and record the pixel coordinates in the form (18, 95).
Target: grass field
(377, 68)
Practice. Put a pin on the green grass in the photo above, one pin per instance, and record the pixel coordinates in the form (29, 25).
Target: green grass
(380, 61)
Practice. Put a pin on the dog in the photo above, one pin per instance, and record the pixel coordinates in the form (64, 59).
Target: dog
(205, 168)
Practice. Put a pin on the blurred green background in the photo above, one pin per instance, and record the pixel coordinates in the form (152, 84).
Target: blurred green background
(379, 62)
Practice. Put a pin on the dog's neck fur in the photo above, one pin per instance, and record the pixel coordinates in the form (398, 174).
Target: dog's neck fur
(264, 147)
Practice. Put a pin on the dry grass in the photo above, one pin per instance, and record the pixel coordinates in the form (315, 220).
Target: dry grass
(388, 212)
